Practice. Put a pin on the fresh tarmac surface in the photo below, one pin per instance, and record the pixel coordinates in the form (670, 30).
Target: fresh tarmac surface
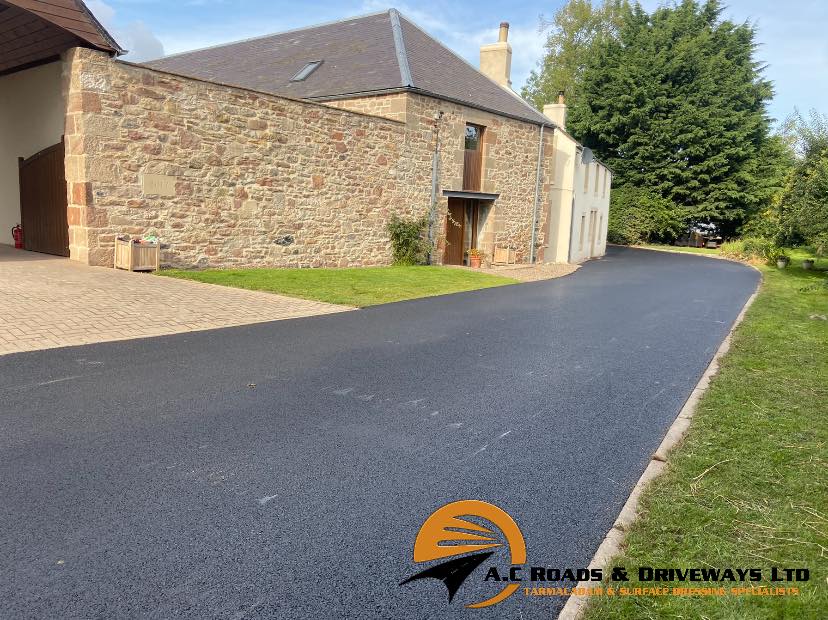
(282, 470)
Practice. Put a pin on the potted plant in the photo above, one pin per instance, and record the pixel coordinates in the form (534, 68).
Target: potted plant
(782, 259)
(475, 258)
(808, 264)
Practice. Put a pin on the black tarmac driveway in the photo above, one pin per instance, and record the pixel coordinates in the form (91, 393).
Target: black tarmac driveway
(282, 470)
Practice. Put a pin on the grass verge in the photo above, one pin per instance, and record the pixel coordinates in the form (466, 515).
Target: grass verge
(676, 248)
(748, 487)
(365, 286)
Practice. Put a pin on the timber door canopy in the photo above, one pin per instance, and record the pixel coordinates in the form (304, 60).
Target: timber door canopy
(34, 32)
(484, 196)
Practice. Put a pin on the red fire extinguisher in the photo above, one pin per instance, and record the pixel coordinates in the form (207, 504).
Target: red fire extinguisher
(17, 234)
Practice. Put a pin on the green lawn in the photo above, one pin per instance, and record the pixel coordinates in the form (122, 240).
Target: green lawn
(749, 485)
(676, 248)
(365, 286)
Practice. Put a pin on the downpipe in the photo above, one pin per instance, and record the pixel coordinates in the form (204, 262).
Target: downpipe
(435, 182)
(537, 198)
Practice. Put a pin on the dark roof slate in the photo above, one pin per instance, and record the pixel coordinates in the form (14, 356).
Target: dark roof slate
(437, 70)
(359, 56)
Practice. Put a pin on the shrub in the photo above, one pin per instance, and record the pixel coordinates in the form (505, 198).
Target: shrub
(820, 244)
(751, 248)
(638, 215)
(733, 249)
(409, 244)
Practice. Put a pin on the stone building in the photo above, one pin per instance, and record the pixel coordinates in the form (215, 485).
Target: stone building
(287, 150)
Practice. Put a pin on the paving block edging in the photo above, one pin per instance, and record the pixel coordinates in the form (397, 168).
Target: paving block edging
(610, 547)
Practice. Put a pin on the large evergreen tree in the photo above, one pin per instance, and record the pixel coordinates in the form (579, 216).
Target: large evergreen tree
(675, 102)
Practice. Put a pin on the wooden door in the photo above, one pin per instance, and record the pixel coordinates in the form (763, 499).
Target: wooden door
(43, 202)
(455, 232)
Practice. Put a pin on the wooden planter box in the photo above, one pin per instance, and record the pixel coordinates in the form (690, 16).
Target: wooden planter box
(134, 256)
(503, 256)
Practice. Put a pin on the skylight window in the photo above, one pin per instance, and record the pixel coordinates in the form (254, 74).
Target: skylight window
(306, 71)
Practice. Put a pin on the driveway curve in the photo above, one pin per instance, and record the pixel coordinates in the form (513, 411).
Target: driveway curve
(283, 469)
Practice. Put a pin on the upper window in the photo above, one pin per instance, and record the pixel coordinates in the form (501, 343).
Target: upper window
(305, 71)
(474, 135)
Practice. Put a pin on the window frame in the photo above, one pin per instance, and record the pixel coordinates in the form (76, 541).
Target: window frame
(305, 72)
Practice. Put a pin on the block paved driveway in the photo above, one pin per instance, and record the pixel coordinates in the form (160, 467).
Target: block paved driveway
(48, 301)
(282, 470)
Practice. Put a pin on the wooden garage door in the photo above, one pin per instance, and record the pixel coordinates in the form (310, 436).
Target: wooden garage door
(43, 202)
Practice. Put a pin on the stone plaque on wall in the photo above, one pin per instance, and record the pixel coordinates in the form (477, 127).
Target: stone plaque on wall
(158, 185)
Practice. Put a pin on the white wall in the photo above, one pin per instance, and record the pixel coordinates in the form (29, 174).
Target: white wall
(559, 219)
(589, 226)
(566, 222)
(32, 114)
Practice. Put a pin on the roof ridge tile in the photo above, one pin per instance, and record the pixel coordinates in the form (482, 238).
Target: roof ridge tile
(399, 47)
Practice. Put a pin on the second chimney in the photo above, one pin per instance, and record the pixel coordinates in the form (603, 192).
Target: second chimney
(496, 58)
(556, 112)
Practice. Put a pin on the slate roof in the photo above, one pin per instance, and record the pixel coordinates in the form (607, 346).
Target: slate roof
(382, 52)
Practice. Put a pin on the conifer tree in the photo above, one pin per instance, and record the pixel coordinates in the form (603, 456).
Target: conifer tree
(675, 102)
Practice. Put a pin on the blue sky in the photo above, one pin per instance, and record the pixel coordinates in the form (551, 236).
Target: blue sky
(791, 34)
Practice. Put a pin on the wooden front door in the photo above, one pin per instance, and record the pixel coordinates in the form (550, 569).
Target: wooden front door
(455, 231)
(43, 202)
(462, 223)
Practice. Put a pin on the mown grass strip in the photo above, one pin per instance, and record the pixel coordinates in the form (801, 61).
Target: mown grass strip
(365, 286)
(676, 248)
(748, 487)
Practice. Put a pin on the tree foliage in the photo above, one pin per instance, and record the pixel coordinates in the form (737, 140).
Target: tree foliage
(638, 215)
(803, 206)
(675, 103)
(572, 32)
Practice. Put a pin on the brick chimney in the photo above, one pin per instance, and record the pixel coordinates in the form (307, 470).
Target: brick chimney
(556, 112)
(496, 59)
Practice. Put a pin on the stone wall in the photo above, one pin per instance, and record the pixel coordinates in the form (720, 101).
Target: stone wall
(228, 177)
(393, 106)
(510, 153)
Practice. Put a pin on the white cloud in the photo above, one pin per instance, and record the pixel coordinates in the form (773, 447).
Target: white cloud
(103, 12)
(136, 37)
